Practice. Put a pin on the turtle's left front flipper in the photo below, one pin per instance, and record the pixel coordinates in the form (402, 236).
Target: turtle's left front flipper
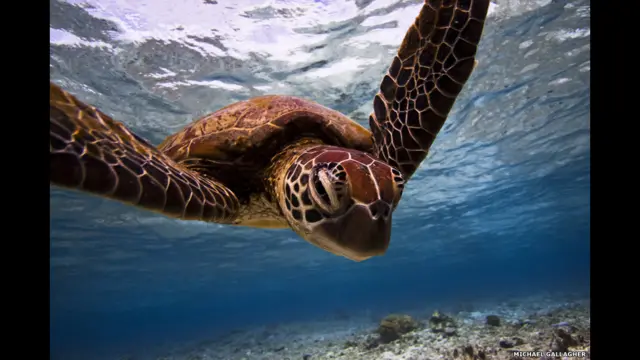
(93, 153)
(433, 63)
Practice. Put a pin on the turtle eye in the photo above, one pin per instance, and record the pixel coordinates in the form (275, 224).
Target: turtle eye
(329, 188)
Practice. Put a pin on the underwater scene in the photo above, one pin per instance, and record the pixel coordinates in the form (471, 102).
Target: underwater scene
(366, 179)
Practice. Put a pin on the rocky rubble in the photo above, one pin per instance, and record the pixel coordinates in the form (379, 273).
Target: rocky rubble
(461, 336)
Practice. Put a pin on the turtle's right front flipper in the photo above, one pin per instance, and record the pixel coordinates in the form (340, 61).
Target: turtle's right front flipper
(91, 152)
(432, 66)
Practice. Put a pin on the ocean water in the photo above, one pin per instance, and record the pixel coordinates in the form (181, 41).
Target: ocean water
(499, 210)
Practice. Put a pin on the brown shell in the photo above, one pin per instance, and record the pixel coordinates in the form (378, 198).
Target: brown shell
(251, 132)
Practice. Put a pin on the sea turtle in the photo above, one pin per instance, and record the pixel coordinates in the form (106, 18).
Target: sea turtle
(282, 161)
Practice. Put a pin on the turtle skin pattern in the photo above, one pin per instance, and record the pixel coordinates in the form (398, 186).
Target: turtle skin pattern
(91, 152)
(433, 63)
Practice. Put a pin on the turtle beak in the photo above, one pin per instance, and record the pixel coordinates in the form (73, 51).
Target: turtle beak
(357, 235)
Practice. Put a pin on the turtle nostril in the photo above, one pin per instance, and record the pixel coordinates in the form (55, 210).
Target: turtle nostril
(379, 209)
(386, 212)
(374, 210)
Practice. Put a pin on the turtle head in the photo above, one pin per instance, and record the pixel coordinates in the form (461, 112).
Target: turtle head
(341, 200)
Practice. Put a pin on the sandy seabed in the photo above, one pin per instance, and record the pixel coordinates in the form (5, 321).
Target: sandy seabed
(532, 328)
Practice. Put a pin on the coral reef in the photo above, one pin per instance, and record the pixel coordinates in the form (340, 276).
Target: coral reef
(441, 323)
(505, 331)
(394, 326)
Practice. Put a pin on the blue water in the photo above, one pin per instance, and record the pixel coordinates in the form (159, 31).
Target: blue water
(499, 210)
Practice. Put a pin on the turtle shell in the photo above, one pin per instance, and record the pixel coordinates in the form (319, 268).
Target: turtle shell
(258, 127)
(242, 138)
